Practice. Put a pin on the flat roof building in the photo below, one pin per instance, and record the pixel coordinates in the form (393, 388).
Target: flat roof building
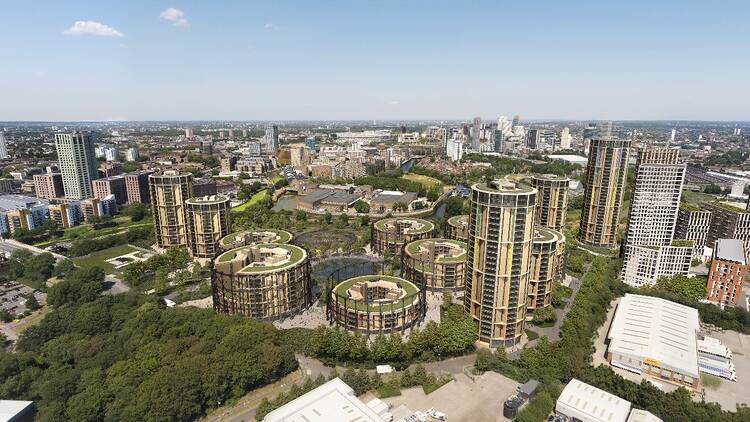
(332, 401)
(582, 402)
(16, 411)
(655, 337)
(727, 272)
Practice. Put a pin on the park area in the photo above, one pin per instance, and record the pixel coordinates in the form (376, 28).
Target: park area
(100, 258)
(257, 197)
(425, 181)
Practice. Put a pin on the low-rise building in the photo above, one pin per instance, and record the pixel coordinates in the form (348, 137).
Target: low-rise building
(657, 338)
(49, 185)
(113, 185)
(332, 401)
(18, 212)
(583, 402)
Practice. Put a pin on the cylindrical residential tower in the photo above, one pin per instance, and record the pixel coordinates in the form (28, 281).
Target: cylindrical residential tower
(604, 182)
(208, 222)
(501, 231)
(169, 191)
(457, 228)
(264, 281)
(435, 264)
(552, 200)
(545, 268)
(376, 304)
(390, 234)
(248, 237)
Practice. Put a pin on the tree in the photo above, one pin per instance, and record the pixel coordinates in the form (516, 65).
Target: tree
(399, 206)
(32, 303)
(300, 215)
(5, 316)
(342, 221)
(63, 268)
(82, 285)
(544, 315)
(136, 211)
(691, 288)
(361, 207)
(326, 218)
(454, 206)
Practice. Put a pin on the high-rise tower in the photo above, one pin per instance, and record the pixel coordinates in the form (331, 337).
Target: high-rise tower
(271, 139)
(604, 181)
(208, 222)
(648, 249)
(552, 200)
(501, 231)
(476, 128)
(3, 146)
(75, 151)
(169, 191)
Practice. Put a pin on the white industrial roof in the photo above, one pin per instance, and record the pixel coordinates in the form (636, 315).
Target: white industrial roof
(656, 329)
(332, 401)
(640, 415)
(590, 404)
(11, 408)
(730, 250)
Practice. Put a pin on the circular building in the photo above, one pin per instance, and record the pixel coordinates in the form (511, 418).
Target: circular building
(545, 267)
(390, 234)
(208, 222)
(248, 237)
(458, 228)
(264, 281)
(435, 263)
(376, 304)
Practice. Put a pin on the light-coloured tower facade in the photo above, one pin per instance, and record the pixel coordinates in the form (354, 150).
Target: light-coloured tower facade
(552, 200)
(75, 151)
(3, 146)
(501, 232)
(649, 251)
(169, 192)
(604, 181)
(208, 223)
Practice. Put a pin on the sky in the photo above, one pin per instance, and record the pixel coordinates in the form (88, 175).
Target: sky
(399, 60)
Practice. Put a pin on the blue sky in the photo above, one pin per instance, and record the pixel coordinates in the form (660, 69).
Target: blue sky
(138, 60)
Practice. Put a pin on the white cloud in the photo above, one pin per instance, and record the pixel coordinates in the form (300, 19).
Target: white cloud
(92, 28)
(176, 16)
(270, 26)
(394, 102)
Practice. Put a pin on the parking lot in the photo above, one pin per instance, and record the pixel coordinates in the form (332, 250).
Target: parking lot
(480, 400)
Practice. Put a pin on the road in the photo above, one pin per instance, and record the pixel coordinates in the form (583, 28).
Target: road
(8, 246)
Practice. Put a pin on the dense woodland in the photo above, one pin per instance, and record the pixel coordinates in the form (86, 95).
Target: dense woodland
(126, 357)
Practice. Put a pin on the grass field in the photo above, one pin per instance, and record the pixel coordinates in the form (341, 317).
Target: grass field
(86, 231)
(255, 198)
(98, 258)
(425, 181)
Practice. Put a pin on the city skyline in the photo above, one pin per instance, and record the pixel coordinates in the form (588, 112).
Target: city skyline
(298, 61)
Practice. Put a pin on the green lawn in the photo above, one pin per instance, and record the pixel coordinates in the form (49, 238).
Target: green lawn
(256, 198)
(86, 231)
(695, 198)
(425, 181)
(98, 258)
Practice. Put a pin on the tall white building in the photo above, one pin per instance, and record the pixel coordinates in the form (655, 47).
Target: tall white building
(111, 154)
(475, 129)
(132, 154)
(454, 149)
(188, 133)
(3, 146)
(673, 135)
(75, 151)
(649, 249)
(505, 126)
(271, 139)
(565, 138)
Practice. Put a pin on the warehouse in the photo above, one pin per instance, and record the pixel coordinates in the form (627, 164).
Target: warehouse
(657, 338)
(583, 402)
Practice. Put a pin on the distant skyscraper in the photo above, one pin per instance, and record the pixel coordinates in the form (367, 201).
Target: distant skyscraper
(3, 146)
(271, 139)
(532, 139)
(499, 139)
(476, 128)
(189, 133)
(169, 191)
(565, 138)
(111, 154)
(501, 232)
(648, 249)
(132, 154)
(604, 181)
(672, 136)
(516, 120)
(75, 151)
(588, 133)
(455, 149)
